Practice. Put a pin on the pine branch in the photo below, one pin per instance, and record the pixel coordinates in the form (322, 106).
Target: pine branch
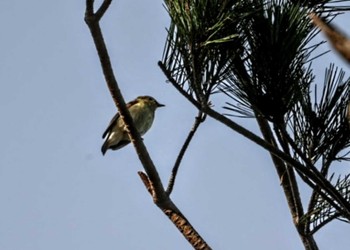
(267, 74)
(323, 212)
(315, 180)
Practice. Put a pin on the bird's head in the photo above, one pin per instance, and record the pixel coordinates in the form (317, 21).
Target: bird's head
(149, 101)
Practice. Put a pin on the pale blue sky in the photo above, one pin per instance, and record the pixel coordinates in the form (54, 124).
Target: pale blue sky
(58, 192)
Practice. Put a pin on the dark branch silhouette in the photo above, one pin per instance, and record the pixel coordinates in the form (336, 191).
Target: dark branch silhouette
(198, 120)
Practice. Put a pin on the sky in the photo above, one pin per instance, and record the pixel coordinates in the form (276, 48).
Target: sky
(58, 192)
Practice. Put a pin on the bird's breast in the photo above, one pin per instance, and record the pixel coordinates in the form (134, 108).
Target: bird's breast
(144, 121)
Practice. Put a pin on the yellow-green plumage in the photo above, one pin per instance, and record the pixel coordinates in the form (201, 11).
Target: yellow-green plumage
(142, 111)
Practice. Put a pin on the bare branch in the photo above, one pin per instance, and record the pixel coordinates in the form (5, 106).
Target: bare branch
(198, 120)
(152, 180)
(103, 8)
(89, 7)
(143, 155)
(147, 182)
(185, 227)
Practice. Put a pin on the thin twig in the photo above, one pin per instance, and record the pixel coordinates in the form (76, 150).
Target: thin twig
(198, 120)
(103, 8)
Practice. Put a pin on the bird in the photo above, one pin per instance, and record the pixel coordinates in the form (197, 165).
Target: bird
(142, 111)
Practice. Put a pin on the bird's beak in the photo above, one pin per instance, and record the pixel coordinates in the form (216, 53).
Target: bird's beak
(160, 105)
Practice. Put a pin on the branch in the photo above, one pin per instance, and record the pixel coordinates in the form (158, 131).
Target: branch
(316, 188)
(288, 183)
(286, 174)
(93, 24)
(103, 8)
(198, 120)
(330, 218)
(146, 182)
(100, 12)
(152, 180)
(174, 83)
(89, 8)
(317, 178)
(318, 181)
(178, 219)
(337, 39)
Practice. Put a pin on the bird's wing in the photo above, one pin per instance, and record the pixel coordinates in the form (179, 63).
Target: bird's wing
(115, 118)
(120, 144)
(111, 124)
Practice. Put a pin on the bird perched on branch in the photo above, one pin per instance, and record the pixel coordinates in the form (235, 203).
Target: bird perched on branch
(142, 111)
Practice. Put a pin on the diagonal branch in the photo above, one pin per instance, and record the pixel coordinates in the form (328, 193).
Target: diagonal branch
(308, 163)
(93, 24)
(198, 120)
(339, 41)
(330, 218)
(316, 179)
(152, 180)
(167, 73)
(103, 8)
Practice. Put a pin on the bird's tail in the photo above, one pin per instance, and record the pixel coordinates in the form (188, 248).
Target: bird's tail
(104, 147)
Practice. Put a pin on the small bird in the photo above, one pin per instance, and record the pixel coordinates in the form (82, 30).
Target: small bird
(142, 111)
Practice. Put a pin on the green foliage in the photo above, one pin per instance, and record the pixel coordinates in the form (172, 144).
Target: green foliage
(320, 127)
(258, 54)
(272, 77)
(202, 41)
(323, 212)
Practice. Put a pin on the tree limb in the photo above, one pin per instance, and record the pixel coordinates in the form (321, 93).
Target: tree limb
(152, 180)
(316, 178)
(93, 24)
